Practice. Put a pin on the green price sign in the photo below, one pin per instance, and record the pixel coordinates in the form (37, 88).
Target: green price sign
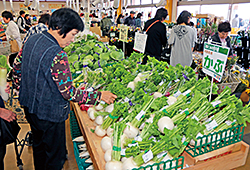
(214, 60)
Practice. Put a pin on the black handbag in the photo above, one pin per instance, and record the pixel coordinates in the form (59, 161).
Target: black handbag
(165, 54)
(8, 131)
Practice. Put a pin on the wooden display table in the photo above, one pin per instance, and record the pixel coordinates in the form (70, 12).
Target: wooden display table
(226, 158)
(92, 141)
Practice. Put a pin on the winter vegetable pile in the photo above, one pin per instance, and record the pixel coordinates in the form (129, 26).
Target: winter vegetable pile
(92, 54)
(159, 110)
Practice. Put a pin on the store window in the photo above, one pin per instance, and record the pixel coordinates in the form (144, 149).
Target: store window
(243, 15)
(219, 10)
(145, 2)
(156, 1)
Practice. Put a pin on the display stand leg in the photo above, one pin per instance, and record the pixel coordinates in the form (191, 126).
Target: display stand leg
(123, 47)
(212, 82)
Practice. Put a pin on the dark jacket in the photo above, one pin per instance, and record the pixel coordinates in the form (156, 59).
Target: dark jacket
(38, 91)
(216, 38)
(138, 22)
(157, 37)
(129, 21)
(105, 25)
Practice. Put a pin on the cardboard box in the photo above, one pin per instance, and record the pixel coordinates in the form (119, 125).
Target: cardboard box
(226, 158)
(204, 16)
(104, 39)
(96, 30)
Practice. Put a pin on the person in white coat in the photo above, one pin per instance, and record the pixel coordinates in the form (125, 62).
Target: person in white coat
(12, 30)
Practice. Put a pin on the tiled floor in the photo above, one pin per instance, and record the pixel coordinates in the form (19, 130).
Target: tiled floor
(27, 158)
(70, 164)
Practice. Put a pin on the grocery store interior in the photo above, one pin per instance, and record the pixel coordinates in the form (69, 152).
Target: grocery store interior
(124, 84)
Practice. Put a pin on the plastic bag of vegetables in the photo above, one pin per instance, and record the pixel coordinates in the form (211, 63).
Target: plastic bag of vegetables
(3, 72)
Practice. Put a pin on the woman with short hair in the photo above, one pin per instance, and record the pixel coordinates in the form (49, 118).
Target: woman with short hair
(221, 36)
(43, 77)
(12, 30)
(182, 38)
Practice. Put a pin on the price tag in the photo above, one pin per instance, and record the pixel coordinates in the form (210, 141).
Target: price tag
(138, 138)
(195, 117)
(228, 122)
(176, 80)
(178, 93)
(215, 103)
(147, 156)
(133, 144)
(123, 152)
(139, 116)
(126, 99)
(140, 42)
(91, 89)
(78, 72)
(211, 125)
(183, 139)
(160, 155)
(161, 83)
(214, 60)
(186, 92)
(112, 34)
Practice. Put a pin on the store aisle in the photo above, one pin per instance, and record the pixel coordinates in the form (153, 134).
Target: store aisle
(27, 158)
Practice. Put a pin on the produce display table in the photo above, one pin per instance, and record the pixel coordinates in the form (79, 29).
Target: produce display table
(93, 142)
(228, 157)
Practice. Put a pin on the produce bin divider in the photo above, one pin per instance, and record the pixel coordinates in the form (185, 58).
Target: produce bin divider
(75, 132)
(216, 140)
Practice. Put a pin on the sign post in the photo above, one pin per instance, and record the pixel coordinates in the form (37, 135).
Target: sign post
(214, 61)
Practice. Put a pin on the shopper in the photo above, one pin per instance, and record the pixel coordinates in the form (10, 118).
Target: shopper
(21, 22)
(138, 20)
(12, 31)
(42, 73)
(43, 24)
(130, 21)
(156, 32)
(8, 116)
(120, 19)
(221, 37)
(182, 38)
(235, 21)
(105, 24)
(27, 22)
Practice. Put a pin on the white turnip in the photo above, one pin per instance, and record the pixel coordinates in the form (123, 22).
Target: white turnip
(129, 164)
(131, 85)
(109, 108)
(113, 165)
(99, 131)
(106, 143)
(110, 131)
(165, 122)
(157, 95)
(91, 112)
(99, 107)
(171, 100)
(131, 131)
(99, 120)
(107, 155)
(137, 79)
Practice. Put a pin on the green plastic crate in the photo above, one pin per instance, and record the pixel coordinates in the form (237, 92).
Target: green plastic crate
(75, 132)
(217, 140)
(176, 163)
